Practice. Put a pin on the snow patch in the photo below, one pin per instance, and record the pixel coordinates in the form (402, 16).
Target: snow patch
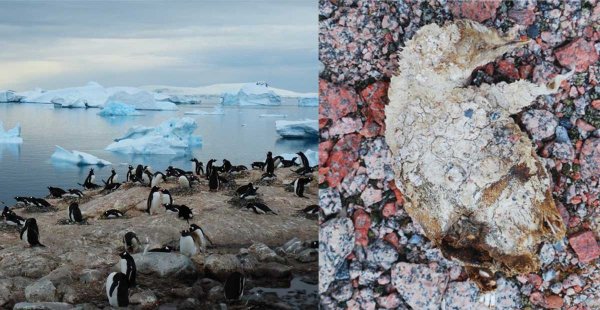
(308, 128)
(174, 136)
(12, 135)
(76, 157)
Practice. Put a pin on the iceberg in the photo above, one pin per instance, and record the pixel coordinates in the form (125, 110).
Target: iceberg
(141, 100)
(218, 110)
(178, 99)
(92, 94)
(308, 128)
(273, 115)
(76, 157)
(9, 96)
(172, 137)
(308, 102)
(312, 156)
(118, 109)
(251, 94)
(12, 135)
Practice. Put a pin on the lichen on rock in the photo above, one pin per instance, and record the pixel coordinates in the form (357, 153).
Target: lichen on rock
(471, 178)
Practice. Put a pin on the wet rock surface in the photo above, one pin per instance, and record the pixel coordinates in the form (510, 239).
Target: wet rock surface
(349, 86)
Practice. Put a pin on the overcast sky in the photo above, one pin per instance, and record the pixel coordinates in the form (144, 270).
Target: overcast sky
(54, 44)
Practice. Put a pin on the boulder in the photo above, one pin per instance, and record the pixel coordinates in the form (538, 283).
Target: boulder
(221, 265)
(163, 264)
(42, 290)
(264, 254)
(42, 306)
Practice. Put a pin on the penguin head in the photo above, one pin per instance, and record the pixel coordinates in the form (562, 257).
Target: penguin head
(165, 191)
(124, 255)
(194, 227)
(155, 189)
(269, 154)
(185, 233)
(73, 205)
(30, 221)
(130, 167)
(91, 170)
(113, 171)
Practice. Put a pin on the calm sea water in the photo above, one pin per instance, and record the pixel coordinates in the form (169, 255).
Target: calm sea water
(26, 169)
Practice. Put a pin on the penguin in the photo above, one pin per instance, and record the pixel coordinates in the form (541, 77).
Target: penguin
(187, 246)
(259, 208)
(277, 161)
(117, 289)
(128, 267)
(158, 178)
(30, 233)
(289, 163)
(185, 212)
(250, 192)
(113, 177)
(139, 174)
(226, 166)
(305, 165)
(311, 210)
(90, 178)
(164, 249)
(131, 241)
(111, 186)
(21, 199)
(258, 165)
(238, 168)
(154, 200)
(130, 177)
(40, 202)
(74, 193)
(244, 188)
(214, 182)
(184, 182)
(268, 176)
(299, 186)
(270, 164)
(56, 192)
(169, 208)
(209, 167)
(166, 197)
(200, 238)
(11, 218)
(197, 167)
(75, 213)
(147, 176)
(234, 286)
(112, 213)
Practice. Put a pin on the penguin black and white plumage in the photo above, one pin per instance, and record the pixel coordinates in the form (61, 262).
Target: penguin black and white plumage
(11, 218)
(250, 192)
(117, 289)
(167, 199)
(113, 177)
(306, 168)
(244, 188)
(258, 165)
(226, 166)
(299, 186)
(184, 181)
(187, 246)
(234, 286)
(130, 177)
(200, 237)
(56, 192)
(40, 202)
(259, 208)
(197, 167)
(288, 163)
(112, 214)
(169, 208)
(238, 168)
(91, 177)
(311, 210)
(268, 176)
(214, 182)
(75, 213)
(111, 186)
(139, 174)
(269, 164)
(147, 176)
(72, 192)
(184, 212)
(127, 264)
(209, 168)
(22, 199)
(131, 241)
(163, 249)
(30, 233)
(157, 178)
(154, 200)
(277, 161)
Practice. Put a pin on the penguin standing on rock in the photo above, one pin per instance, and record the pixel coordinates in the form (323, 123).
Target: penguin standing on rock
(128, 267)
(117, 289)
(167, 199)
(299, 186)
(187, 246)
(131, 241)
(75, 213)
(154, 200)
(11, 218)
(158, 178)
(89, 181)
(214, 182)
(234, 286)
(56, 192)
(30, 233)
(200, 238)
(112, 178)
(197, 167)
(130, 174)
(209, 168)
(139, 174)
(270, 163)
(305, 165)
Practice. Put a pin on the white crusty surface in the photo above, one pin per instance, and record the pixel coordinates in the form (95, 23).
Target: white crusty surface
(471, 177)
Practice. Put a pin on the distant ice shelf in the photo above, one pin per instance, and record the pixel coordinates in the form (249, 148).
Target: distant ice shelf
(76, 157)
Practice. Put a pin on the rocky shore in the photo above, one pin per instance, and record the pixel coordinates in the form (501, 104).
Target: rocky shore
(273, 251)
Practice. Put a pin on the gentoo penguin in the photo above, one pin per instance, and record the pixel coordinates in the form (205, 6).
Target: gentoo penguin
(234, 286)
(175, 172)
(184, 212)
(90, 178)
(209, 168)
(75, 213)
(277, 161)
(270, 164)
(311, 210)
(128, 267)
(131, 241)
(30, 233)
(288, 163)
(40, 202)
(130, 175)
(226, 166)
(187, 246)
(244, 188)
(11, 218)
(74, 193)
(214, 182)
(164, 249)
(259, 208)
(139, 174)
(169, 208)
(200, 237)
(268, 176)
(249, 193)
(113, 177)
(158, 178)
(147, 176)
(305, 165)
(56, 192)
(111, 186)
(238, 168)
(23, 200)
(185, 182)
(299, 186)
(117, 289)
(167, 199)
(154, 200)
(258, 165)
(112, 213)
(197, 167)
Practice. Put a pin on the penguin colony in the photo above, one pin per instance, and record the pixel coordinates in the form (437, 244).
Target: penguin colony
(193, 240)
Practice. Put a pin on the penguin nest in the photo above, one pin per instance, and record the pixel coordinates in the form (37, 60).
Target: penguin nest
(265, 182)
(471, 178)
(236, 201)
(36, 209)
(185, 191)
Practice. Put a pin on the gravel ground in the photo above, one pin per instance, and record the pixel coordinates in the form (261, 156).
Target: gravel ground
(372, 254)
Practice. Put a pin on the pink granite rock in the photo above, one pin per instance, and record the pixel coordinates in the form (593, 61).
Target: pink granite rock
(420, 286)
(578, 55)
(590, 159)
(473, 9)
(585, 246)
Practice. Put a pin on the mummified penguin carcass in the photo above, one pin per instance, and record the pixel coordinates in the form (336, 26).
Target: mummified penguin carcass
(471, 177)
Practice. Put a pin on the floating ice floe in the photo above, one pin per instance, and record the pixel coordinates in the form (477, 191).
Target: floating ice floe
(92, 94)
(141, 100)
(273, 115)
(218, 110)
(78, 158)
(9, 96)
(118, 109)
(308, 101)
(312, 156)
(250, 94)
(308, 128)
(12, 135)
(174, 136)
(177, 99)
